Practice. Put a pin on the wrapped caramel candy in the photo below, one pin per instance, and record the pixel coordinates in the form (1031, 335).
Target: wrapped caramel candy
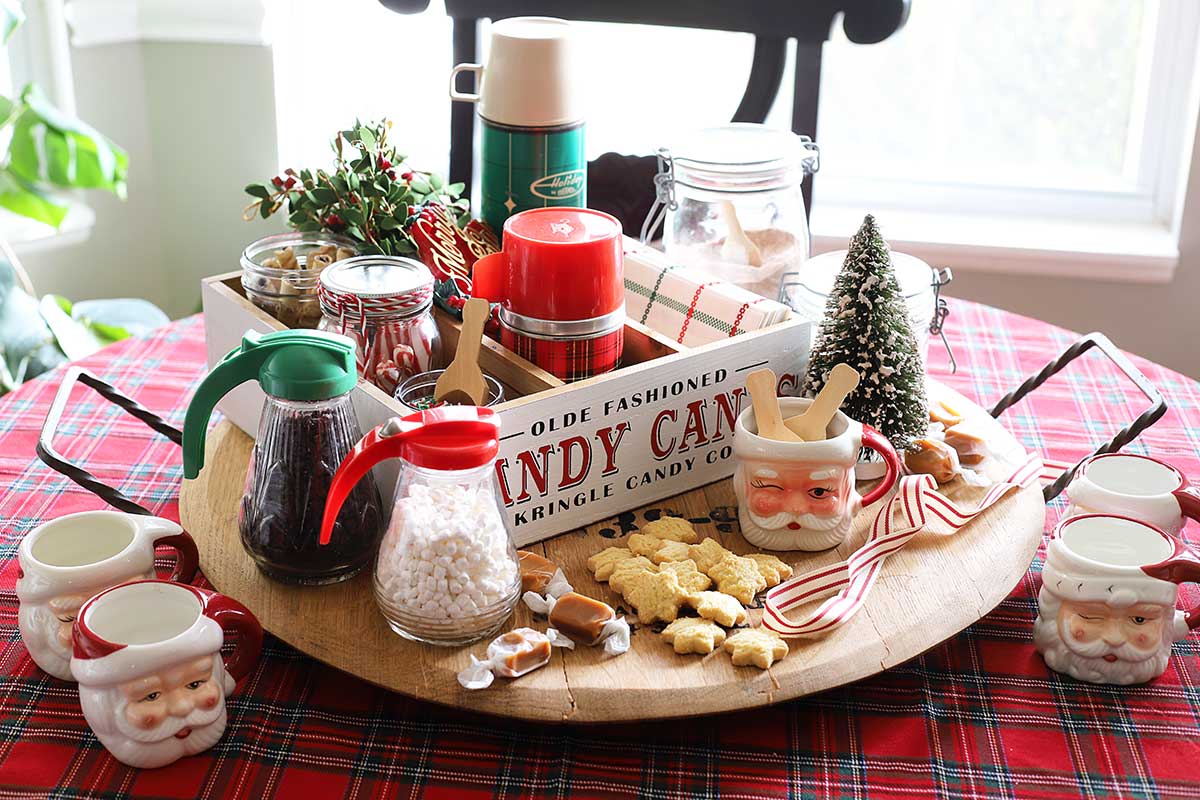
(575, 618)
(510, 655)
(933, 457)
(541, 575)
(969, 443)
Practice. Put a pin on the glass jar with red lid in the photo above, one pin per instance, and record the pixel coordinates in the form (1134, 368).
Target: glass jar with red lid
(385, 304)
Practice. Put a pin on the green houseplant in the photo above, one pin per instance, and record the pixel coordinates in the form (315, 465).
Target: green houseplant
(49, 156)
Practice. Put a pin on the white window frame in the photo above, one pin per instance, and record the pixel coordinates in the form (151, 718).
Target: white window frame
(1127, 231)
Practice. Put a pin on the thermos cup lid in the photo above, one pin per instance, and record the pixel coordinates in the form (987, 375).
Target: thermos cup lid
(531, 78)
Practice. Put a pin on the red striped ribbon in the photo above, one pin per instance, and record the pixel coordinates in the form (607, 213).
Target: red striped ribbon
(847, 584)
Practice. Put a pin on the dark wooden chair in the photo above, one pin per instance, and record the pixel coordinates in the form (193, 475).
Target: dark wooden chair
(621, 184)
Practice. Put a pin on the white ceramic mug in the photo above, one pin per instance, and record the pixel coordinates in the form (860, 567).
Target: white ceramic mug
(1135, 486)
(1106, 609)
(147, 656)
(802, 495)
(65, 561)
(531, 76)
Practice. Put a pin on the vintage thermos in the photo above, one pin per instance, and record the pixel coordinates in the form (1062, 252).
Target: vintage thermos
(530, 110)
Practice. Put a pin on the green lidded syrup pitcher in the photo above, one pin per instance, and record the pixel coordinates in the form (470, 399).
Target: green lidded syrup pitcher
(308, 426)
(531, 113)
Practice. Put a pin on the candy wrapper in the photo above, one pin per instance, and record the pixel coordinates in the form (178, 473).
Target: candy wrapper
(510, 655)
(950, 452)
(576, 619)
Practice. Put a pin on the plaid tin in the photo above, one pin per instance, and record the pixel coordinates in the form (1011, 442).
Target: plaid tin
(568, 358)
(977, 716)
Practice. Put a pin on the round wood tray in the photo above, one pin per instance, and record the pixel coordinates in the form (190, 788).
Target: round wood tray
(927, 592)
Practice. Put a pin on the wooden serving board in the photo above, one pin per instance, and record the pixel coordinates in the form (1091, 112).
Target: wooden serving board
(928, 592)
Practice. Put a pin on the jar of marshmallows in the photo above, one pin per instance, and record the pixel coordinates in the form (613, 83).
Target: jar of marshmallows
(447, 570)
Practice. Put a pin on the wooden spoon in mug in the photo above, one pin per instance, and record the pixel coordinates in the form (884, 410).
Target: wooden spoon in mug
(810, 426)
(761, 385)
(462, 383)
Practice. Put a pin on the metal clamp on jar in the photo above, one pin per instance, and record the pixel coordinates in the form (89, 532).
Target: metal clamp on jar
(733, 204)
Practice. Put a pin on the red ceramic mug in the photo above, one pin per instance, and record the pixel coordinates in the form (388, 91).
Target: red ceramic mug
(557, 264)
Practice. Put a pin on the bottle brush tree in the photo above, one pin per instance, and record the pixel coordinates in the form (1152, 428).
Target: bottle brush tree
(867, 326)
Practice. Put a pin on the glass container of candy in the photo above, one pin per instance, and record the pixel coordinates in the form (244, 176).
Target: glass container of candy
(734, 206)
(447, 571)
(417, 392)
(280, 273)
(383, 303)
(307, 427)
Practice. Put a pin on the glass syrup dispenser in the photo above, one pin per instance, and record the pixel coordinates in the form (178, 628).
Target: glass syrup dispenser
(308, 426)
(447, 569)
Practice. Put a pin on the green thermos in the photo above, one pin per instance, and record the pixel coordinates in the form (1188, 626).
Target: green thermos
(530, 109)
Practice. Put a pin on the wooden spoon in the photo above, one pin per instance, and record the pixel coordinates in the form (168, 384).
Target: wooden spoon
(462, 383)
(761, 384)
(810, 426)
(738, 248)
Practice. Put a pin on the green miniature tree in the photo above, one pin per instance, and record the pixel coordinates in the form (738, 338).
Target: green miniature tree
(867, 326)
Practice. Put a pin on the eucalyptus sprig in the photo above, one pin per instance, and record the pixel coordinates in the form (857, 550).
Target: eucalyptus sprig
(370, 196)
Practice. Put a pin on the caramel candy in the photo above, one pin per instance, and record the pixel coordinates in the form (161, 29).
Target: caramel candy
(947, 416)
(511, 655)
(536, 571)
(581, 618)
(970, 445)
(525, 654)
(933, 457)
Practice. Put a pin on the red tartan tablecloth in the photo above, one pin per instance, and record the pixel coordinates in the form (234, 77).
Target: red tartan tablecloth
(979, 715)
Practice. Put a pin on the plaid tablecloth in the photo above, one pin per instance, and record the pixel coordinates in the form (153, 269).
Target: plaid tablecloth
(979, 715)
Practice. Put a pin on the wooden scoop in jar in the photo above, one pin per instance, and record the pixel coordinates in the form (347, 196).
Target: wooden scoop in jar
(761, 384)
(462, 383)
(738, 247)
(810, 426)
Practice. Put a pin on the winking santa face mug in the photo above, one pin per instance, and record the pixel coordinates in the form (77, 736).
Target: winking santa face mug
(65, 561)
(802, 495)
(1106, 609)
(147, 656)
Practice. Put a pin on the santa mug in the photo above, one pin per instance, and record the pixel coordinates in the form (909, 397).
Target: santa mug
(65, 561)
(801, 495)
(1106, 609)
(1135, 486)
(152, 682)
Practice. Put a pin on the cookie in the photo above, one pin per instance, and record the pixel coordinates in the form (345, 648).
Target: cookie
(669, 551)
(706, 554)
(693, 635)
(690, 578)
(720, 608)
(657, 596)
(773, 570)
(603, 563)
(757, 646)
(737, 576)
(628, 568)
(644, 544)
(673, 528)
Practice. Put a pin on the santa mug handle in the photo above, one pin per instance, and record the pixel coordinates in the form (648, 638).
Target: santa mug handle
(187, 558)
(235, 618)
(1182, 567)
(1189, 500)
(874, 440)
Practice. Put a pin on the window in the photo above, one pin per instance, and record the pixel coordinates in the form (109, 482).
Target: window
(1023, 126)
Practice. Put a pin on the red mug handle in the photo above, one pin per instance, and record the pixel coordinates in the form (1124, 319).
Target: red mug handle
(233, 617)
(874, 440)
(487, 277)
(1182, 567)
(1189, 501)
(187, 558)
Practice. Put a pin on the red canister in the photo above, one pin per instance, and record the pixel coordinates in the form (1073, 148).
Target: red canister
(559, 280)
